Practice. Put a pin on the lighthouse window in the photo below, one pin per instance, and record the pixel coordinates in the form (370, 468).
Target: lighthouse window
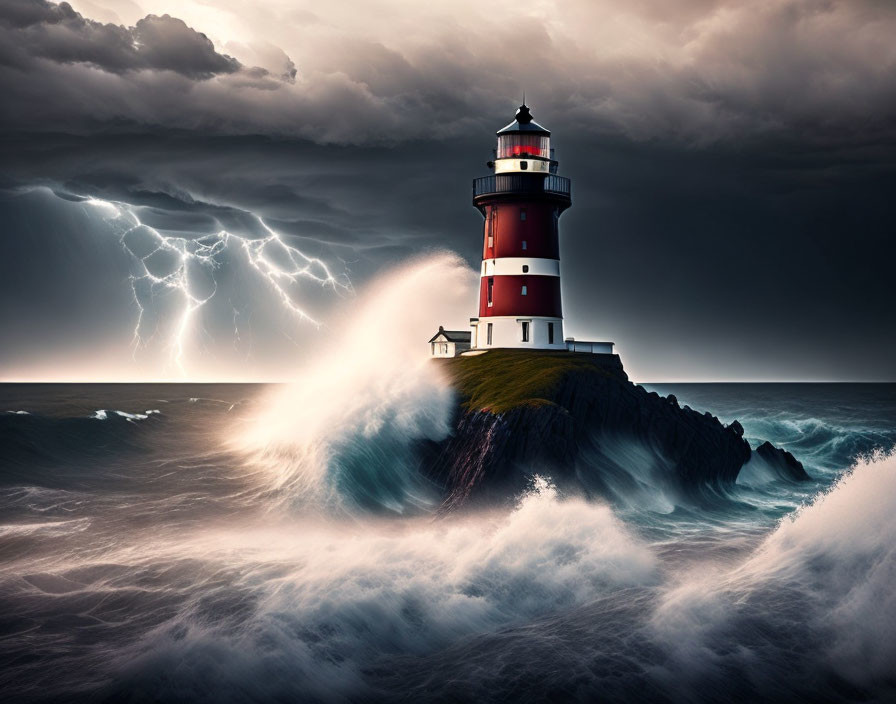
(525, 268)
(488, 333)
(490, 226)
(522, 213)
(524, 244)
(525, 326)
(524, 290)
(550, 333)
(491, 287)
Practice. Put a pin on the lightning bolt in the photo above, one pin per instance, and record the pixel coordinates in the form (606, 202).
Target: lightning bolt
(183, 255)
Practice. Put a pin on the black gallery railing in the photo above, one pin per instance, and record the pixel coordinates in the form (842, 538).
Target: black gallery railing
(521, 183)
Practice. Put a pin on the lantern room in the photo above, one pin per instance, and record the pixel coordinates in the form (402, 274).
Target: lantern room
(524, 145)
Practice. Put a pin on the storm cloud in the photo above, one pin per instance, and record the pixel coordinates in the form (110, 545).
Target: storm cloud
(697, 71)
(42, 30)
(733, 163)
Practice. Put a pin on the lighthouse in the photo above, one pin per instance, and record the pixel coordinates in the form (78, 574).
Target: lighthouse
(519, 277)
(521, 203)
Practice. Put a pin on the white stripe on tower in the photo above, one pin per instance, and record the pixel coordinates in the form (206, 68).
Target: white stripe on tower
(507, 266)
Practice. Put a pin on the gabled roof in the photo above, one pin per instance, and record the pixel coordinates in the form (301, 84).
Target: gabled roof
(453, 335)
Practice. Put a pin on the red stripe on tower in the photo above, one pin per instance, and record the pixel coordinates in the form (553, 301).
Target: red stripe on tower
(519, 294)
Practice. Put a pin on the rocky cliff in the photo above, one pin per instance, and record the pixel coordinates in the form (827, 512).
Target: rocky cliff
(578, 418)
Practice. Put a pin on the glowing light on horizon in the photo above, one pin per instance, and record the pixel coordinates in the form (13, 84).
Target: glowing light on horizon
(205, 252)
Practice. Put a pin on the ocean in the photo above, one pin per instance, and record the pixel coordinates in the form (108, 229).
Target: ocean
(156, 545)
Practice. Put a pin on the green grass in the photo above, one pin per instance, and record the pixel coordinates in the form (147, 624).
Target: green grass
(501, 380)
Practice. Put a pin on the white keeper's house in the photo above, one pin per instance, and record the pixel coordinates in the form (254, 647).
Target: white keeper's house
(449, 343)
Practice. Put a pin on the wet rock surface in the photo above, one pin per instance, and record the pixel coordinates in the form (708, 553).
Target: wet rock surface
(572, 428)
(783, 462)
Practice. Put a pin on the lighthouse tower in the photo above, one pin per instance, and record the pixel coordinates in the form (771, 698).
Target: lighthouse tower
(519, 291)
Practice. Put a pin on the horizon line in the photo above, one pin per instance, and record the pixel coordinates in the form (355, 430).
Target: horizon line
(290, 381)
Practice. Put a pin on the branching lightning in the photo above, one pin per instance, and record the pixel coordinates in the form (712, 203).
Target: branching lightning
(172, 264)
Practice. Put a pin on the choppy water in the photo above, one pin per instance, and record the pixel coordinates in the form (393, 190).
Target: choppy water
(160, 543)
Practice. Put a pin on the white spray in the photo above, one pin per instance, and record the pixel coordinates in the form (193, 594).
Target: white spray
(371, 390)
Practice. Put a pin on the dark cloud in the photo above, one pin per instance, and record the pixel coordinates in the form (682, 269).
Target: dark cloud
(43, 30)
(698, 71)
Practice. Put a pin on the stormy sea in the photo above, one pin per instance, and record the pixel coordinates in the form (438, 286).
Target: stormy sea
(230, 543)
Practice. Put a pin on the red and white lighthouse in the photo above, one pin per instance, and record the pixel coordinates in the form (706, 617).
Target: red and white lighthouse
(519, 291)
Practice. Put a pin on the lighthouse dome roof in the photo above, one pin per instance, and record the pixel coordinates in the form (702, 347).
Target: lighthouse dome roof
(523, 123)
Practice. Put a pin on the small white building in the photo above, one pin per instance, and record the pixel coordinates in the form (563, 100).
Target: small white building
(574, 345)
(449, 343)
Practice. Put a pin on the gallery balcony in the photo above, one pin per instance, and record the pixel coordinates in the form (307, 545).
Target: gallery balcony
(520, 185)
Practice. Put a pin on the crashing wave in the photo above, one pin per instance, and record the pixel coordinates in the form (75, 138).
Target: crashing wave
(334, 602)
(816, 596)
(347, 433)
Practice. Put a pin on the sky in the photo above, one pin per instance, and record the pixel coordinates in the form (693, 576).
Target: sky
(198, 191)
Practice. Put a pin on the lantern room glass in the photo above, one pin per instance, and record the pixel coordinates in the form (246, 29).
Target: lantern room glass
(524, 145)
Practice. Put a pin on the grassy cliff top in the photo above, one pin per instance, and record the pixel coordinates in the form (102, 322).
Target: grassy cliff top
(500, 380)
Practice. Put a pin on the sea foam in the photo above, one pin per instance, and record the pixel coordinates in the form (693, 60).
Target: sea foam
(821, 584)
(330, 600)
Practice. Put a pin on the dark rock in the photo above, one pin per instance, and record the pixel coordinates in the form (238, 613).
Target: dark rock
(487, 456)
(784, 463)
(570, 428)
(737, 428)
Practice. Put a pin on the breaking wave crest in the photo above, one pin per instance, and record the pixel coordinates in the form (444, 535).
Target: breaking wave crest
(312, 609)
(344, 433)
(819, 442)
(814, 604)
